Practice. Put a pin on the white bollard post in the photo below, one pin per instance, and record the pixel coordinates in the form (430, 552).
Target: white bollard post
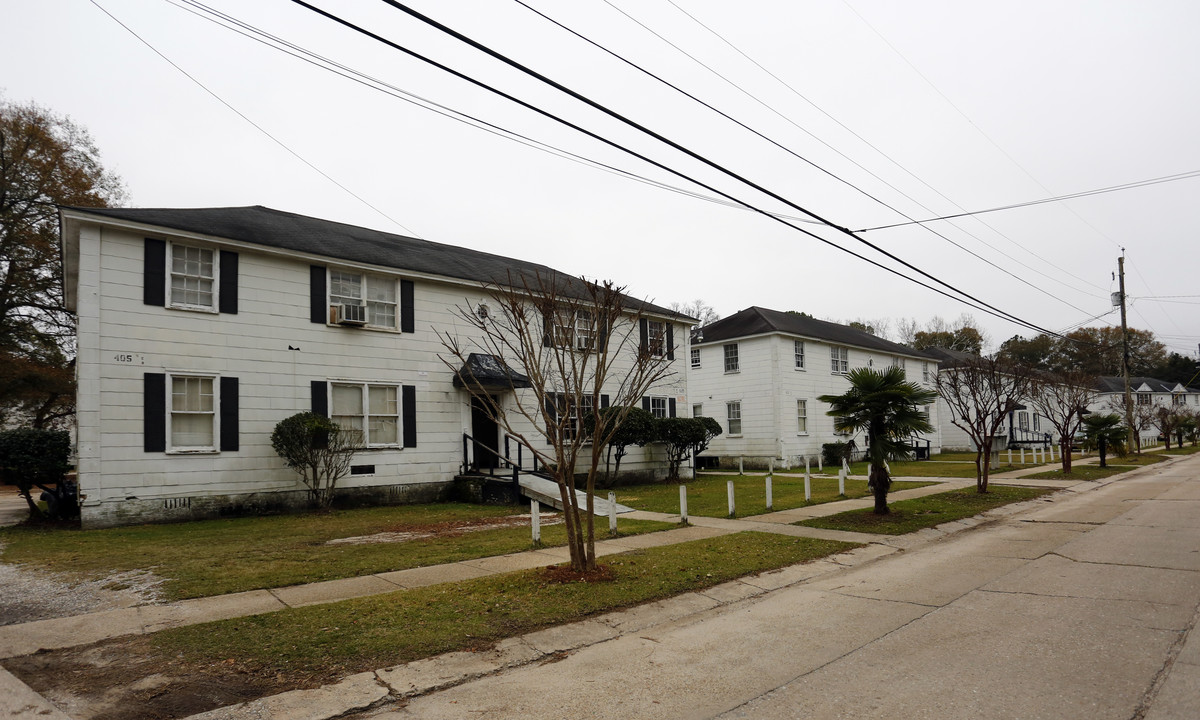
(1022, 455)
(842, 481)
(807, 482)
(769, 501)
(535, 521)
(1010, 456)
(612, 512)
(732, 505)
(683, 504)
(770, 466)
(820, 464)
(741, 465)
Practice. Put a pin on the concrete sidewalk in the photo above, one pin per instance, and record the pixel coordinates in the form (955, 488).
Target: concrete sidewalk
(67, 632)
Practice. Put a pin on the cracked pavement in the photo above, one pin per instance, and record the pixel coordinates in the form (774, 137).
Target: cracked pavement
(1078, 608)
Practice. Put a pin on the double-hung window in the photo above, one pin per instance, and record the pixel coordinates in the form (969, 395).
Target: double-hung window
(193, 413)
(802, 417)
(1023, 420)
(898, 361)
(575, 329)
(378, 293)
(1143, 399)
(373, 410)
(733, 417)
(731, 358)
(695, 357)
(656, 337)
(698, 410)
(839, 359)
(193, 277)
(925, 371)
(658, 407)
(798, 352)
(1037, 422)
(1179, 399)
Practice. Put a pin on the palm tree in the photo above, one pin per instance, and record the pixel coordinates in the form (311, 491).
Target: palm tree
(1105, 432)
(888, 408)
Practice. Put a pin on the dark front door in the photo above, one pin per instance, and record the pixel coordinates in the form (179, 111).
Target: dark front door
(486, 434)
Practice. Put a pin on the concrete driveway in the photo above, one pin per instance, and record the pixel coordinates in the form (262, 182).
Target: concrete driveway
(1080, 608)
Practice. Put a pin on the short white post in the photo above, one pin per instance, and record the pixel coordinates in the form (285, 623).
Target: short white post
(807, 482)
(842, 481)
(732, 505)
(770, 466)
(820, 464)
(683, 504)
(769, 502)
(1022, 455)
(1010, 456)
(741, 465)
(612, 512)
(535, 520)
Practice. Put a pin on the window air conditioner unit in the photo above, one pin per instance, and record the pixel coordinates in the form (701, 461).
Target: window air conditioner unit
(350, 314)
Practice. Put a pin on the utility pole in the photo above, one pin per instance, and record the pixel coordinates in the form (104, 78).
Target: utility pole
(1125, 357)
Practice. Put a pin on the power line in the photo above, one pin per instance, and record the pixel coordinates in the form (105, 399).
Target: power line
(258, 127)
(1084, 193)
(978, 304)
(783, 147)
(299, 52)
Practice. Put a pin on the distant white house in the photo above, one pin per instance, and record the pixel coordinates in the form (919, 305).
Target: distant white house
(200, 329)
(759, 373)
(1147, 393)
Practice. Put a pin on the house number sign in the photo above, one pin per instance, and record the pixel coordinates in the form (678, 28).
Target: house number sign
(129, 359)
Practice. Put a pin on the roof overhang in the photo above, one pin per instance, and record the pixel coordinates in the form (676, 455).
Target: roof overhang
(488, 372)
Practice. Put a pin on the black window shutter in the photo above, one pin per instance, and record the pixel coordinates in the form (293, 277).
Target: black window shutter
(671, 343)
(646, 403)
(229, 406)
(670, 407)
(408, 318)
(228, 301)
(602, 331)
(547, 327)
(320, 398)
(408, 408)
(644, 327)
(154, 412)
(154, 273)
(551, 413)
(603, 401)
(318, 311)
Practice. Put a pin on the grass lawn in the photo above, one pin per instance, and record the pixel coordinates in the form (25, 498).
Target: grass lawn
(1185, 450)
(1084, 472)
(901, 469)
(213, 557)
(1146, 458)
(368, 633)
(918, 513)
(969, 457)
(707, 495)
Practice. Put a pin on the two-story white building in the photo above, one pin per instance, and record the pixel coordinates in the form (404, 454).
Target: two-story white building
(1148, 393)
(200, 329)
(759, 373)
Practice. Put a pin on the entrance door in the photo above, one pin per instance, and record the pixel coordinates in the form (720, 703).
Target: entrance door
(486, 434)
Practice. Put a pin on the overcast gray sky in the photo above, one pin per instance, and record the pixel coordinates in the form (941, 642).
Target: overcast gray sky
(928, 107)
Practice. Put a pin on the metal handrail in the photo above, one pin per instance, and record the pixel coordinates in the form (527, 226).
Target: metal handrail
(505, 458)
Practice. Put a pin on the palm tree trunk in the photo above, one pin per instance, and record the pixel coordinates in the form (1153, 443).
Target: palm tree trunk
(879, 486)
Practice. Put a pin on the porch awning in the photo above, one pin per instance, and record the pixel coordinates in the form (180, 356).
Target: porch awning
(490, 372)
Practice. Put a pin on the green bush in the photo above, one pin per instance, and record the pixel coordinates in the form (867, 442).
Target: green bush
(833, 453)
(32, 458)
(684, 436)
(318, 449)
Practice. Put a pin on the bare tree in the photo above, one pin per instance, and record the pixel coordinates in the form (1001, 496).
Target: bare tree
(698, 309)
(1063, 398)
(906, 330)
(1142, 417)
(981, 392)
(580, 346)
(1167, 419)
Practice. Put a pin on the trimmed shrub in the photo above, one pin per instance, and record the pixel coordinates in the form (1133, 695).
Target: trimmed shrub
(32, 458)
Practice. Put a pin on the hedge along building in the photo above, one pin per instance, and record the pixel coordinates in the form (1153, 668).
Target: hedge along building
(200, 329)
(759, 373)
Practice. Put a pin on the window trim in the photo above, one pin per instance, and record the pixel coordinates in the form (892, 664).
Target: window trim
(169, 414)
(839, 359)
(661, 350)
(695, 358)
(729, 418)
(365, 279)
(364, 388)
(799, 359)
(737, 359)
(697, 409)
(169, 272)
(801, 404)
(666, 406)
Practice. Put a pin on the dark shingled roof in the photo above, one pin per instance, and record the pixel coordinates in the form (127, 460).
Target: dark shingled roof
(275, 228)
(759, 321)
(1116, 384)
(948, 357)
